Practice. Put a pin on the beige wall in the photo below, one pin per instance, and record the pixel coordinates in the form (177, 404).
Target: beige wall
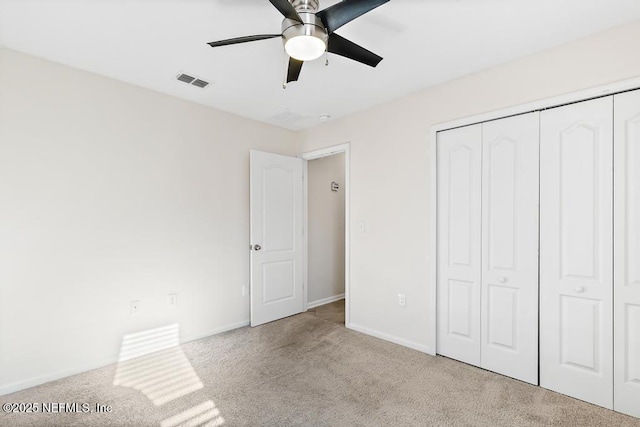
(389, 168)
(325, 228)
(111, 193)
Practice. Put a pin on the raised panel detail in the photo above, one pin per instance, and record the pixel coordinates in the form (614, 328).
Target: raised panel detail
(503, 303)
(502, 204)
(579, 332)
(579, 201)
(278, 281)
(632, 155)
(632, 326)
(279, 210)
(460, 314)
(460, 193)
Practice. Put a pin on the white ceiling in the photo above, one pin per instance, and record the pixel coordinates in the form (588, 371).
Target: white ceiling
(423, 42)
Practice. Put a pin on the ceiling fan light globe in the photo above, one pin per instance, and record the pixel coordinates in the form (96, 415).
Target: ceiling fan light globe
(305, 48)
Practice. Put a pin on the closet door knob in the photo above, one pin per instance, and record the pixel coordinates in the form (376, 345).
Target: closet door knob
(579, 289)
(502, 280)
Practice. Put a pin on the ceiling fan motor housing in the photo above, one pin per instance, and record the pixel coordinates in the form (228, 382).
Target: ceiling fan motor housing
(305, 5)
(311, 26)
(302, 34)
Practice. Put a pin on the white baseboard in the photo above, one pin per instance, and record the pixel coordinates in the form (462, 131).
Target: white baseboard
(405, 343)
(41, 379)
(324, 301)
(215, 331)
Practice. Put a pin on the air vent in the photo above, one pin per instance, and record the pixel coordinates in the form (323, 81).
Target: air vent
(185, 78)
(194, 81)
(200, 83)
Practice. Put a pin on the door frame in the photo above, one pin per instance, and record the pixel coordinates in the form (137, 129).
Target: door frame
(318, 154)
(432, 229)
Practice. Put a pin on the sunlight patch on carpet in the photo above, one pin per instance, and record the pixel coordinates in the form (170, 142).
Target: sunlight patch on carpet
(153, 362)
(205, 414)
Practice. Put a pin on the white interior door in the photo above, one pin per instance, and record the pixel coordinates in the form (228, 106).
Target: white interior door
(459, 160)
(276, 200)
(576, 209)
(627, 254)
(510, 191)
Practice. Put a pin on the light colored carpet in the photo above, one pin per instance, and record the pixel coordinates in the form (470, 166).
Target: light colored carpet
(304, 370)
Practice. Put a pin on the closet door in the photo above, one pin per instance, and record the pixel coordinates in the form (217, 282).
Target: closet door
(627, 254)
(459, 160)
(576, 227)
(509, 308)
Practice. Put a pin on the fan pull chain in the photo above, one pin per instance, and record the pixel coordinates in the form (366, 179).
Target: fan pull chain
(326, 58)
(284, 83)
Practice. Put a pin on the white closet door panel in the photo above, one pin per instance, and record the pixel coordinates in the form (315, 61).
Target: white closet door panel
(627, 254)
(576, 227)
(510, 190)
(458, 283)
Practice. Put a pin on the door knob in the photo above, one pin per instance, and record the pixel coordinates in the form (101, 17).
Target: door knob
(579, 289)
(502, 280)
(257, 247)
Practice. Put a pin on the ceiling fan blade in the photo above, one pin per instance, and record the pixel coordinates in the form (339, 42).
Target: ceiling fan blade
(295, 67)
(343, 47)
(244, 39)
(346, 11)
(286, 9)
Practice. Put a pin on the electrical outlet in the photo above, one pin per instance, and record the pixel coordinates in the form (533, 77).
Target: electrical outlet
(135, 307)
(244, 291)
(172, 300)
(402, 300)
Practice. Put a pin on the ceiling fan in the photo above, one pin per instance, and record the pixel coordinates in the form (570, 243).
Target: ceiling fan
(308, 33)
